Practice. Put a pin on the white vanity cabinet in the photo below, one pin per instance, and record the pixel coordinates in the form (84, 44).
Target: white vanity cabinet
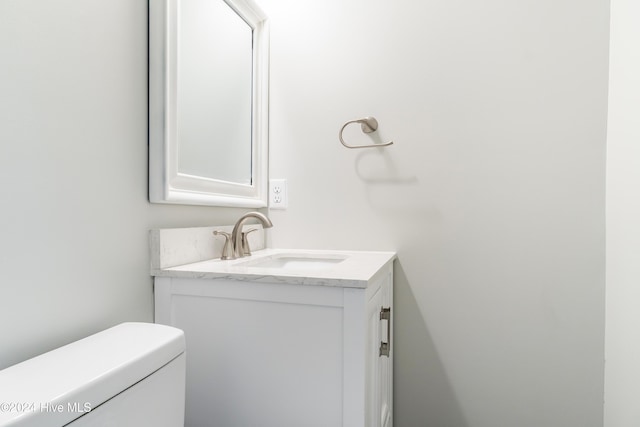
(279, 351)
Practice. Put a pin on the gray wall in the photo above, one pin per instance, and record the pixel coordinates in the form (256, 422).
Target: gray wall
(493, 195)
(622, 383)
(73, 168)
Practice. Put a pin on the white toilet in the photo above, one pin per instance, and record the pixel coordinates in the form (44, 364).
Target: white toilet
(130, 375)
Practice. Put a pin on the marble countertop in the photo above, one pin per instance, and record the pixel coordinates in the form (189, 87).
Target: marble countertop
(356, 269)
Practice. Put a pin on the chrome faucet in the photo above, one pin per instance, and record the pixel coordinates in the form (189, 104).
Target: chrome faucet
(238, 238)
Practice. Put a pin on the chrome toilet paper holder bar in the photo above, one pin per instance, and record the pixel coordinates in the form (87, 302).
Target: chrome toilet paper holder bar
(368, 125)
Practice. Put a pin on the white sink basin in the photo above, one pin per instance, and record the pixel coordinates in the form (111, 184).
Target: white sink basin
(295, 262)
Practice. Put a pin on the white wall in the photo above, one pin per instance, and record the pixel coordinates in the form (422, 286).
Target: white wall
(493, 194)
(622, 381)
(73, 172)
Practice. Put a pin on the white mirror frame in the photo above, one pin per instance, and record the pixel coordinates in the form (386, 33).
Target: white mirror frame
(166, 184)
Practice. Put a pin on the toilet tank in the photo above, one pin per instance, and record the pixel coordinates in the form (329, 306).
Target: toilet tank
(130, 375)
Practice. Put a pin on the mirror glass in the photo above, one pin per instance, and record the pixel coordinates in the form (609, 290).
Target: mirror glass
(214, 114)
(207, 102)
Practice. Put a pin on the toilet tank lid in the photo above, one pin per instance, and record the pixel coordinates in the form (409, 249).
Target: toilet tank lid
(61, 385)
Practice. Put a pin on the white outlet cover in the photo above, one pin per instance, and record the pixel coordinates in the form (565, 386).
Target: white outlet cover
(278, 194)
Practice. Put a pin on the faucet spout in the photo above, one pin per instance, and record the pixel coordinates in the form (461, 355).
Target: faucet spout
(236, 234)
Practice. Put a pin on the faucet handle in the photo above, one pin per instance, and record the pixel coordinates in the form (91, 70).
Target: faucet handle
(246, 250)
(227, 249)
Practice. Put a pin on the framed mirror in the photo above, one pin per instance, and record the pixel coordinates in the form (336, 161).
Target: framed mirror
(208, 102)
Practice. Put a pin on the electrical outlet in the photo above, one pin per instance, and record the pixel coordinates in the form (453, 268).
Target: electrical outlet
(278, 194)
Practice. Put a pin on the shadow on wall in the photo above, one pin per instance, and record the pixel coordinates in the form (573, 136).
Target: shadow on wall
(420, 380)
(369, 163)
(391, 190)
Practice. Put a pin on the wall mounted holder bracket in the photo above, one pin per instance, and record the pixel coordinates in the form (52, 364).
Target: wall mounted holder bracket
(368, 125)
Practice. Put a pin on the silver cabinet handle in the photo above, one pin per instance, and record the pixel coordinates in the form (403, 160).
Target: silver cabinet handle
(385, 347)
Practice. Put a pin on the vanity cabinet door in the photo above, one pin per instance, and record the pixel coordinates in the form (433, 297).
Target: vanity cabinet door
(379, 363)
(385, 370)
